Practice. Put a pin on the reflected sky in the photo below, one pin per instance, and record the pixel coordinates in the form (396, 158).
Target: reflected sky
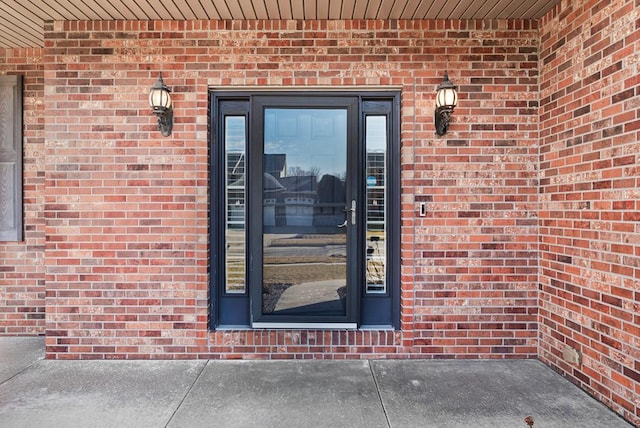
(307, 137)
(234, 133)
(376, 132)
(313, 139)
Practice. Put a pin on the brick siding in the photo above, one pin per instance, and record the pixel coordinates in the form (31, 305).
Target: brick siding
(22, 270)
(590, 197)
(126, 209)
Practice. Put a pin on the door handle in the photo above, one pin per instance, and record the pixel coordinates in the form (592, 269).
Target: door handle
(351, 210)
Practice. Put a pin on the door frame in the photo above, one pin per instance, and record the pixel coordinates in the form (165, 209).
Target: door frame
(234, 310)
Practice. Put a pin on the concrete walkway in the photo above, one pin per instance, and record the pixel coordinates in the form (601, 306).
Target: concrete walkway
(426, 393)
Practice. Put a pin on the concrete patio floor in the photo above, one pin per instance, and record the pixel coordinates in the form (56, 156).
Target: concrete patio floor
(194, 393)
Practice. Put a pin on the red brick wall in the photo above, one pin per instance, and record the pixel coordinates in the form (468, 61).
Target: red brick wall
(127, 213)
(22, 283)
(590, 197)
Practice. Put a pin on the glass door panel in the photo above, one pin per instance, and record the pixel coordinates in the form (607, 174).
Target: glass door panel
(304, 213)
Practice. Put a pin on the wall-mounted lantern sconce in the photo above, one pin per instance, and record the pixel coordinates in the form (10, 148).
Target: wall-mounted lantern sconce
(160, 102)
(446, 101)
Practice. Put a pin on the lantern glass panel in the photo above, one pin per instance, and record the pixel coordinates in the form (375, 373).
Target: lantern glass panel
(446, 97)
(159, 98)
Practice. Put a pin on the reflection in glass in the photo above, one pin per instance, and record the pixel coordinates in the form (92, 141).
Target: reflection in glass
(234, 149)
(304, 197)
(376, 149)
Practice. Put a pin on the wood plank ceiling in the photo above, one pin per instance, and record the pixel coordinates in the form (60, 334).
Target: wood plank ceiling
(21, 21)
